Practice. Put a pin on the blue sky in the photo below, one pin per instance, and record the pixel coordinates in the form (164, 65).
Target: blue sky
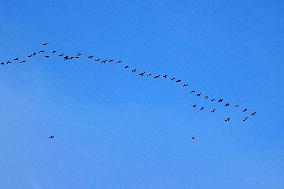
(114, 129)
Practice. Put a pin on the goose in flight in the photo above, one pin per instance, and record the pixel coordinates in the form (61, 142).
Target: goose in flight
(245, 110)
(41, 51)
(202, 108)
(66, 57)
(142, 74)
(44, 44)
(213, 110)
(157, 76)
(126, 67)
(46, 56)
(212, 99)
(119, 62)
(192, 91)
(53, 51)
(206, 97)
(194, 106)
(227, 104)
(110, 60)
(185, 85)
(173, 78)
(9, 62)
(23, 61)
(16, 58)
(237, 105)
(98, 59)
(178, 81)
(245, 119)
(165, 76)
(52, 136)
(61, 54)
(253, 114)
(90, 56)
(2, 63)
(30, 56)
(199, 94)
(228, 119)
(134, 70)
(221, 100)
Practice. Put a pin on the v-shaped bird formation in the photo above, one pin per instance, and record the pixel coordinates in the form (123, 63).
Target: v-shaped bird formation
(46, 54)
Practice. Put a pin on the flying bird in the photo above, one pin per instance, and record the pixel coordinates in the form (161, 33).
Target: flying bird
(16, 58)
(2, 63)
(142, 74)
(178, 81)
(206, 97)
(98, 59)
(110, 61)
(157, 76)
(212, 99)
(119, 62)
(46, 56)
(202, 108)
(199, 94)
(227, 104)
(30, 56)
(41, 51)
(213, 110)
(194, 106)
(90, 56)
(253, 114)
(126, 67)
(134, 70)
(53, 51)
(245, 119)
(165, 76)
(52, 136)
(9, 62)
(61, 55)
(44, 44)
(237, 105)
(221, 100)
(192, 92)
(185, 85)
(173, 78)
(245, 110)
(66, 57)
(228, 119)
(23, 61)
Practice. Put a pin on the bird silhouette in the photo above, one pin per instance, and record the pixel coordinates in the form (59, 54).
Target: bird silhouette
(157, 76)
(98, 59)
(9, 62)
(253, 114)
(212, 99)
(61, 54)
(134, 70)
(221, 100)
(30, 56)
(53, 51)
(178, 81)
(194, 106)
(110, 61)
(16, 58)
(44, 44)
(199, 94)
(142, 74)
(34, 53)
(192, 138)
(126, 66)
(52, 136)
(23, 61)
(227, 104)
(90, 56)
(185, 85)
(206, 97)
(245, 110)
(41, 51)
(192, 91)
(66, 57)
(228, 119)
(237, 105)
(79, 54)
(202, 108)
(46, 56)
(245, 118)
(165, 76)
(118, 61)
(173, 78)
(213, 110)
(103, 61)
(2, 63)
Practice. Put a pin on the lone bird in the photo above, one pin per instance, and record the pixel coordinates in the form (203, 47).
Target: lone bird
(178, 81)
(199, 94)
(134, 70)
(52, 136)
(165, 76)
(192, 92)
(245, 110)
(202, 108)
(16, 58)
(118, 61)
(44, 44)
(53, 51)
(194, 106)
(66, 57)
(221, 100)
(213, 110)
(157, 76)
(227, 104)
(126, 67)
(228, 119)
(142, 74)
(245, 119)
(253, 114)
(185, 85)
(90, 56)
(2, 63)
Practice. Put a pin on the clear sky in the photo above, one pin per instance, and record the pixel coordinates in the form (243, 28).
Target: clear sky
(114, 129)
